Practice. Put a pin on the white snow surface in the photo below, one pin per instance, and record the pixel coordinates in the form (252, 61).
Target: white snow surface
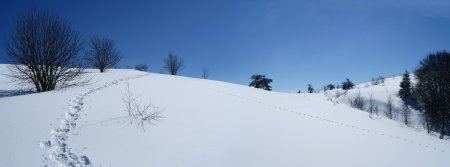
(380, 93)
(206, 123)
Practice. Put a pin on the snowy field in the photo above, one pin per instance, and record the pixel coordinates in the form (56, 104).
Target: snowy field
(205, 123)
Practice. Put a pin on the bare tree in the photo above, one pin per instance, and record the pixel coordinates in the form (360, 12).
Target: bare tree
(358, 101)
(372, 106)
(44, 51)
(389, 108)
(405, 113)
(173, 64)
(205, 73)
(102, 53)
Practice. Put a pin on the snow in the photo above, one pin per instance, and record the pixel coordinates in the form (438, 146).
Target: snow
(380, 93)
(26, 120)
(206, 123)
(56, 145)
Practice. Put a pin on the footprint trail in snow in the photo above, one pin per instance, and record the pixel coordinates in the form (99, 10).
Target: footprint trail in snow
(55, 143)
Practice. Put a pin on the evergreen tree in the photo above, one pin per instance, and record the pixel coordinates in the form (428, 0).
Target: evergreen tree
(260, 81)
(347, 84)
(310, 88)
(330, 87)
(405, 87)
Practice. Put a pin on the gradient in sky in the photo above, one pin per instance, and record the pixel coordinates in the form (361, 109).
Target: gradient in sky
(293, 42)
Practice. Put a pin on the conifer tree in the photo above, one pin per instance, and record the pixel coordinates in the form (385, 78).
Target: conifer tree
(260, 81)
(347, 84)
(405, 87)
(310, 88)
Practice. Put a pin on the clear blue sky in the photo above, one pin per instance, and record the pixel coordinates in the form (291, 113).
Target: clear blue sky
(293, 42)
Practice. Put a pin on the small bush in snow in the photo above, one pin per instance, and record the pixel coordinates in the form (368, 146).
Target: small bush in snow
(141, 67)
(389, 112)
(378, 80)
(138, 112)
(358, 102)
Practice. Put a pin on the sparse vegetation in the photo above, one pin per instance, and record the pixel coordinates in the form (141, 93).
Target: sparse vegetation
(378, 80)
(373, 107)
(138, 112)
(358, 101)
(389, 112)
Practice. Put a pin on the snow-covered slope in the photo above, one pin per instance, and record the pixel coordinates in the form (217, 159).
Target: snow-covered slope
(207, 123)
(381, 92)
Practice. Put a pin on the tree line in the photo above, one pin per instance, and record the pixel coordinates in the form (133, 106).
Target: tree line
(46, 52)
(431, 93)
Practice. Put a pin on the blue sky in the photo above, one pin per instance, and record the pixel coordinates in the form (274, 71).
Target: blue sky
(293, 42)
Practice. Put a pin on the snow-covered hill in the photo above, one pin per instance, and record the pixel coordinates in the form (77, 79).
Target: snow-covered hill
(205, 123)
(381, 93)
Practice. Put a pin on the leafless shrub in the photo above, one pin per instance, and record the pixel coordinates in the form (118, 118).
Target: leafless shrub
(389, 112)
(44, 51)
(138, 112)
(372, 106)
(406, 111)
(427, 123)
(378, 80)
(358, 101)
(205, 73)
